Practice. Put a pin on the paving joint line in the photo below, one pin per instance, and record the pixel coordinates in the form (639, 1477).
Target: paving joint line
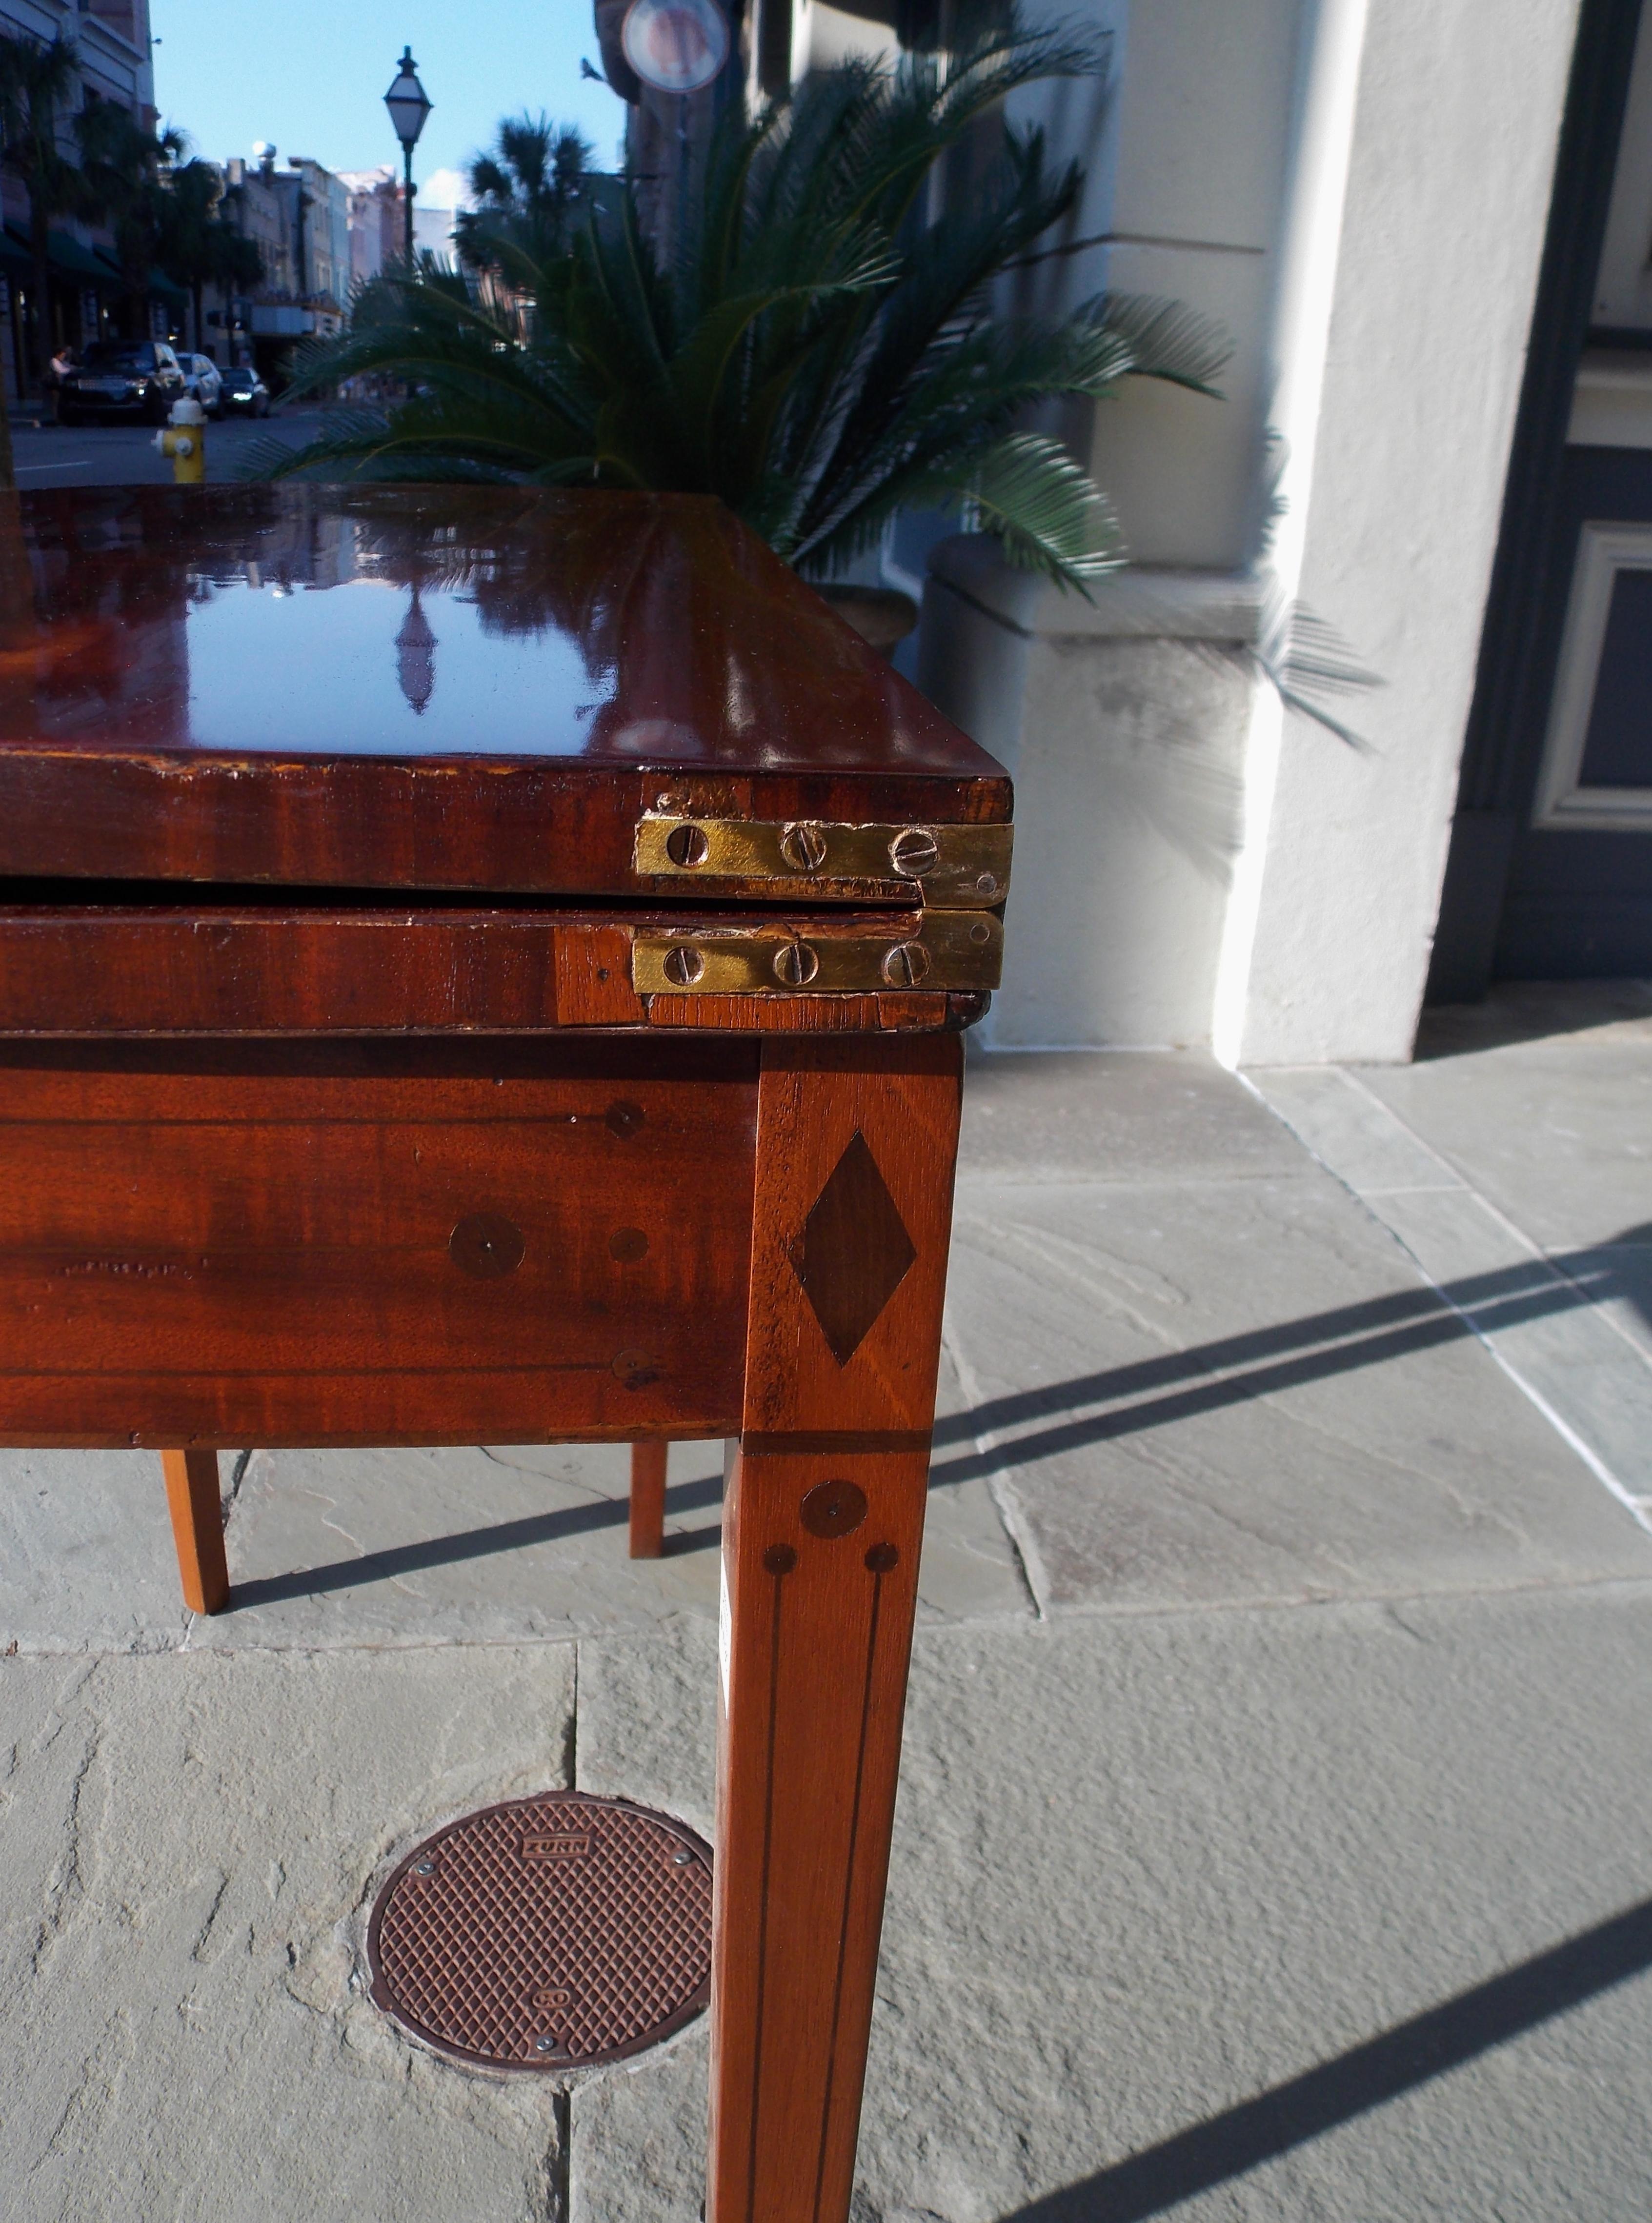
(1638, 1508)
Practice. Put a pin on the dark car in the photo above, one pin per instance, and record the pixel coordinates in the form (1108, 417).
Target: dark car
(122, 378)
(243, 390)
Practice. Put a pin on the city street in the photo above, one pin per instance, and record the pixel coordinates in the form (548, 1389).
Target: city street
(124, 455)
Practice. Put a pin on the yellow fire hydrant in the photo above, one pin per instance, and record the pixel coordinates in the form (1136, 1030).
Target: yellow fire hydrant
(184, 441)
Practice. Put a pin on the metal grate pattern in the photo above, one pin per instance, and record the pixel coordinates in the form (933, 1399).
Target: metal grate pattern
(548, 1933)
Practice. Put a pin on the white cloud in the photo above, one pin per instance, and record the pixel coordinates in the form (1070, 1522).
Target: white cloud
(445, 189)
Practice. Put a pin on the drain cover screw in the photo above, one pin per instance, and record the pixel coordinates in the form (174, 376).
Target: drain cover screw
(681, 1859)
(424, 1867)
(545, 2044)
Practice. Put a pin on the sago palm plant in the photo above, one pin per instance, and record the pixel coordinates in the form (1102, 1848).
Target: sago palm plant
(821, 350)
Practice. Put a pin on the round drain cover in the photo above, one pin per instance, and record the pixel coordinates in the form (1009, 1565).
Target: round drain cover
(548, 1933)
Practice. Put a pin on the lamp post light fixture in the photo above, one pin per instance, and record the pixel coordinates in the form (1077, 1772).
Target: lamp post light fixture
(409, 105)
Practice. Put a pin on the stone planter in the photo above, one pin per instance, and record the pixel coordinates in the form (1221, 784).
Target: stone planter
(1124, 722)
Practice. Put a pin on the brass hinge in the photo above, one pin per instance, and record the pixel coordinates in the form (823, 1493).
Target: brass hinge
(953, 867)
(941, 950)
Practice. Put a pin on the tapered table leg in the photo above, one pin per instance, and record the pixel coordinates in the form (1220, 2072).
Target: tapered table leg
(648, 1500)
(821, 1530)
(198, 1528)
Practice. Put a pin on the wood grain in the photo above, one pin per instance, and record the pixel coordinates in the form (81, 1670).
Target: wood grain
(191, 1480)
(648, 1500)
(821, 1550)
(233, 968)
(594, 978)
(252, 1256)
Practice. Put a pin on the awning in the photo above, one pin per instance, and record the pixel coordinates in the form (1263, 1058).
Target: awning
(76, 261)
(168, 289)
(65, 254)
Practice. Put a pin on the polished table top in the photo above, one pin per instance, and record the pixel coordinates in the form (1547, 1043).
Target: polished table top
(434, 687)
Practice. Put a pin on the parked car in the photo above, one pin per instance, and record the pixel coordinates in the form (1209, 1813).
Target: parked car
(203, 381)
(242, 389)
(121, 378)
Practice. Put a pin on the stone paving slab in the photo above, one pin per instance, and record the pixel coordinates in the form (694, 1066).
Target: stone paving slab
(1115, 1116)
(1572, 1326)
(1555, 1131)
(1167, 1891)
(1249, 1399)
(191, 1843)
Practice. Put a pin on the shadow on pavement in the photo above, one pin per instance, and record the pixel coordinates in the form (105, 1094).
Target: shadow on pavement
(480, 1544)
(1230, 1371)
(1443, 2037)
(1262, 1361)
(1529, 1011)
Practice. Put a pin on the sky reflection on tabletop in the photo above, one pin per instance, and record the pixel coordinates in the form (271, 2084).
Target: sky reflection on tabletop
(346, 660)
(421, 622)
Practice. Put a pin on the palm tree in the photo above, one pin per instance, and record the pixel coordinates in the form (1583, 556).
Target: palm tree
(37, 87)
(184, 239)
(195, 241)
(130, 170)
(529, 193)
(820, 353)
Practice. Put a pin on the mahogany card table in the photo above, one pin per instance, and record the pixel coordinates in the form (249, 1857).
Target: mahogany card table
(483, 965)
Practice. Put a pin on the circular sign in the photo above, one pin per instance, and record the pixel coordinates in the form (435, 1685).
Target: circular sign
(675, 46)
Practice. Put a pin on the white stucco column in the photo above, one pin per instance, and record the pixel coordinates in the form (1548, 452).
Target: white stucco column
(1426, 151)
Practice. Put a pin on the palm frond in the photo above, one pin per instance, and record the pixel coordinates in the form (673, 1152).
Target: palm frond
(817, 350)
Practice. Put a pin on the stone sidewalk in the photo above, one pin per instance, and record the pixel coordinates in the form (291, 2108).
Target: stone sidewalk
(1275, 1824)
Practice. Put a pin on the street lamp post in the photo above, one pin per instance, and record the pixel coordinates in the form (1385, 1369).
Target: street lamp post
(409, 105)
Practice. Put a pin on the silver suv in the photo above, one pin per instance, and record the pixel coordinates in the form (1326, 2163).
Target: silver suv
(203, 381)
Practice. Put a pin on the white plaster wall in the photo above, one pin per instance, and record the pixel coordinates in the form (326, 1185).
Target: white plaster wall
(1124, 726)
(1449, 173)
(1185, 160)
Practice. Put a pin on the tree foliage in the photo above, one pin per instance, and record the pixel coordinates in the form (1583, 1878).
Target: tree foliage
(195, 241)
(530, 191)
(821, 352)
(129, 169)
(38, 83)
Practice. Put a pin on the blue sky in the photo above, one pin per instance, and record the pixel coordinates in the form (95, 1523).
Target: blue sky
(312, 75)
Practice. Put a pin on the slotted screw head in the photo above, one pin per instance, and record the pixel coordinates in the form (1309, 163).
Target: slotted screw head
(905, 964)
(795, 964)
(986, 885)
(687, 844)
(804, 847)
(914, 852)
(684, 966)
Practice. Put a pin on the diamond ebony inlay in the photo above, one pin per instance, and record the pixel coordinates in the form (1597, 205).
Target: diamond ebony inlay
(854, 1252)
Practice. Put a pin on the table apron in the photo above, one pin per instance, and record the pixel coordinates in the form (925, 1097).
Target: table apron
(371, 1253)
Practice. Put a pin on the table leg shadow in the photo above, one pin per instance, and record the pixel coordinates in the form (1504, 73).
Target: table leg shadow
(194, 1501)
